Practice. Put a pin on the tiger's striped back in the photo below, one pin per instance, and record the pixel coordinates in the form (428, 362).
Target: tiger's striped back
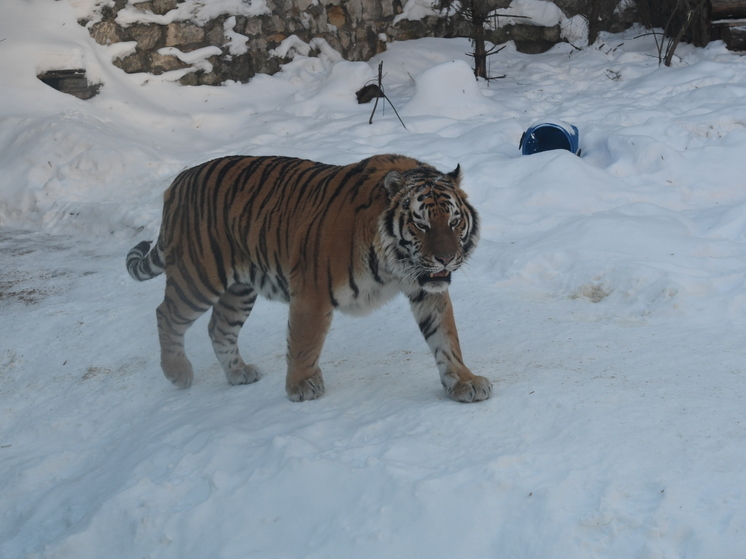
(262, 220)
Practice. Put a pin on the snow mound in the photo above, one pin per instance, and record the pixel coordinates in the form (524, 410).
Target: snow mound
(449, 90)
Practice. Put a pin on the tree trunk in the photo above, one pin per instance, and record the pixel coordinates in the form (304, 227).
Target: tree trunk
(480, 53)
(728, 9)
(593, 12)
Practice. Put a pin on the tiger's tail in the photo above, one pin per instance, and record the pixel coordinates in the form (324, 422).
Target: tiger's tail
(143, 263)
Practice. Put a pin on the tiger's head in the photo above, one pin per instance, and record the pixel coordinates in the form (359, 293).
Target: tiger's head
(429, 229)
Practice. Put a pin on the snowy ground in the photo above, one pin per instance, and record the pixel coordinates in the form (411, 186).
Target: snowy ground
(607, 302)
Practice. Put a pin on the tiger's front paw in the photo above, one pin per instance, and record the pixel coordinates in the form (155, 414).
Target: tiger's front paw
(244, 375)
(307, 389)
(178, 370)
(476, 389)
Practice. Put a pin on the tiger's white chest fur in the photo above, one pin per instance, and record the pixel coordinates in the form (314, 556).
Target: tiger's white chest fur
(368, 296)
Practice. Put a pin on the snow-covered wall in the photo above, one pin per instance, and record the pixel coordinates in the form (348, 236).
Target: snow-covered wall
(207, 42)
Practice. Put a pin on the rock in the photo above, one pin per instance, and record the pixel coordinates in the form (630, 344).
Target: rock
(336, 16)
(368, 93)
(130, 64)
(160, 63)
(148, 36)
(161, 7)
(105, 32)
(181, 34)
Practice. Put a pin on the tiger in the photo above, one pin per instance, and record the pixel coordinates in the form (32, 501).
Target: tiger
(319, 237)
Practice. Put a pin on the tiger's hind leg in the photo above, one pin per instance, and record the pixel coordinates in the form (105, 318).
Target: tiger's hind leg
(175, 315)
(228, 316)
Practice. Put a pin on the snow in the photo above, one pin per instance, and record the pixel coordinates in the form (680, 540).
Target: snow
(294, 45)
(606, 301)
(197, 58)
(458, 93)
(415, 10)
(197, 11)
(530, 12)
(236, 42)
(542, 13)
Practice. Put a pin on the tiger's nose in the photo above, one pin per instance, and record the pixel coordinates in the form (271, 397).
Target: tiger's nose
(445, 259)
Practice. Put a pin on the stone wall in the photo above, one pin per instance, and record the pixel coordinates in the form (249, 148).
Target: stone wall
(159, 36)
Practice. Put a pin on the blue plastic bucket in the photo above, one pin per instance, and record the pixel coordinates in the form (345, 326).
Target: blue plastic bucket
(550, 135)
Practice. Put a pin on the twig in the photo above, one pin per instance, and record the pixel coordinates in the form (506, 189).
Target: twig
(380, 88)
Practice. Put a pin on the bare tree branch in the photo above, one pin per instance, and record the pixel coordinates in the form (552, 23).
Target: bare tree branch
(382, 94)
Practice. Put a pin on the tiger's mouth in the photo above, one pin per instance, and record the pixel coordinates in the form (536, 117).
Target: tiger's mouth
(444, 276)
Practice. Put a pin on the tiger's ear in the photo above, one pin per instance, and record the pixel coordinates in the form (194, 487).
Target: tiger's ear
(456, 173)
(393, 182)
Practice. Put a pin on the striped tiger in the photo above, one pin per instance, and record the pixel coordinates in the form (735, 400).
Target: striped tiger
(319, 237)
